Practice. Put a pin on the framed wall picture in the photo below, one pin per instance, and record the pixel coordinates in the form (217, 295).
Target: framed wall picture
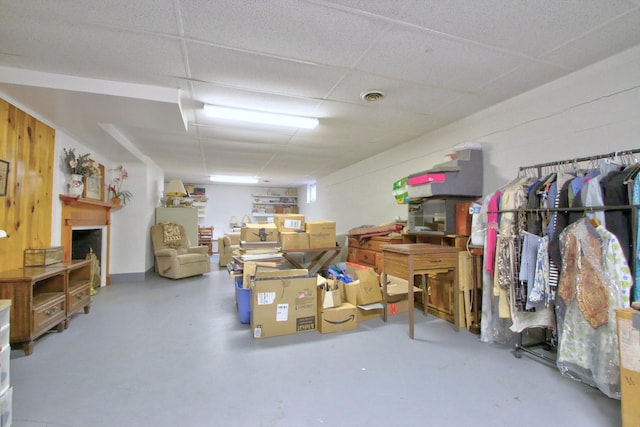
(4, 177)
(94, 186)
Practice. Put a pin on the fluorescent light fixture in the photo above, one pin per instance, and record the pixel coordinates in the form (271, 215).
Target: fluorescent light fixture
(251, 116)
(234, 179)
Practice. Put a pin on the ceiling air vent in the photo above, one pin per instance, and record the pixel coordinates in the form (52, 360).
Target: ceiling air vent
(372, 96)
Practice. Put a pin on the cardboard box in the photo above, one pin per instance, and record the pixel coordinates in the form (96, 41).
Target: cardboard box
(283, 306)
(369, 312)
(259, 233)
(337, 319)
(367, 285)
(291, 240)
(252, 269)
(328, 293)
(322, 234)
(289, 222)
(628, 321)
(397, 292)
(401, 305)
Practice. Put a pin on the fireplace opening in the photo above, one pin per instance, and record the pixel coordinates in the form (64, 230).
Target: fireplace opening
(87, 244)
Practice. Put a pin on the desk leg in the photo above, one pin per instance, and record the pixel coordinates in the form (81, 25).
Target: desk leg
(410, 295)
(383, 280)
(315, 261)
(329, 259)
(291, 260)
(456, 301)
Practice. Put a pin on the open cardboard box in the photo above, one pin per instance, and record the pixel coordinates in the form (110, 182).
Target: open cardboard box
(396, 300)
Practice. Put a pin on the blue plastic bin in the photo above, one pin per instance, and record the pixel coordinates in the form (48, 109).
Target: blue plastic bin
(243, 302)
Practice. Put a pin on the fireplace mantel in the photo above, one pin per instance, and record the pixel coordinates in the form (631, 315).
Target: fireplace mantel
(85, 212)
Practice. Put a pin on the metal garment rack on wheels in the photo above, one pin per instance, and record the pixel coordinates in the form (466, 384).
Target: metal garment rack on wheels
(538, 169)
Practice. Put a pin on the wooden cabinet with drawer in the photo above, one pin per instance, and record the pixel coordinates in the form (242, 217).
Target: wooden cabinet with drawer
(42, 297)
(78, 294)
(368, 252)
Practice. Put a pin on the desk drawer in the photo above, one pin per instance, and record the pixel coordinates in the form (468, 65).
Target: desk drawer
(430, 261)
(48, 311)
(366, 257)
(79, 297)
(375, 243)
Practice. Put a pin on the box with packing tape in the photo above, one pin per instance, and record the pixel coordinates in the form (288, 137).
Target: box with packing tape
(322, 234)
(283, 306)
(259, 233)
(289, 222)
(293, 240)
(334, 314)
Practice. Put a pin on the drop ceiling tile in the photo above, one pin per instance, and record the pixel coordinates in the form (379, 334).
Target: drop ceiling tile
(287, 28)
(400, 95)
(522, 79)
(238, 135)
(119, 14)
(531, 28)
(386, 8)
(415, 55)
(616, 36)
(250, 72)
(81, 50)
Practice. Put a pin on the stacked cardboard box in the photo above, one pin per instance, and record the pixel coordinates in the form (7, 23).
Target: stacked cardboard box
(322, 234)
(283, 303)
(289, 222)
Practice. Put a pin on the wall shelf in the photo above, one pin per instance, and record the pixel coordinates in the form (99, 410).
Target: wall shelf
(281, 201)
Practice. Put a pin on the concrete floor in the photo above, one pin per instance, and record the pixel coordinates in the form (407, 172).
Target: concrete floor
(173, 353)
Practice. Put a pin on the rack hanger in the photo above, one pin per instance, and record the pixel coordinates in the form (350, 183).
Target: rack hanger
(628, 154)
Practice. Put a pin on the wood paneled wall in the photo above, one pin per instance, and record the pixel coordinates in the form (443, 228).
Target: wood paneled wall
(25, 212)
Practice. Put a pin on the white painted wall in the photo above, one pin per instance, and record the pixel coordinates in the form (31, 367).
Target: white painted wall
(593, 111)
(130, 225)
(225, 201)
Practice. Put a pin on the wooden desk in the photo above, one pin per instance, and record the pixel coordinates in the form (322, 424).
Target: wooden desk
(333, 252)
(426, 260)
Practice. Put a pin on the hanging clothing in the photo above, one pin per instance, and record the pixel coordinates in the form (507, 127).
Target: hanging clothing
(492, 230)
(493, 329)
(636, 201)
(505, 273)
(586, 352)
(618, 221)
(591, 195)
(541, 292)
(616, 264)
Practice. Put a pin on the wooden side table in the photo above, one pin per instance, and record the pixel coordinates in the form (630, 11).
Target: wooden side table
(423, 259)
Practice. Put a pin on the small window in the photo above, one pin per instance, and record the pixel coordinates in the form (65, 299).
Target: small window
(311, 193)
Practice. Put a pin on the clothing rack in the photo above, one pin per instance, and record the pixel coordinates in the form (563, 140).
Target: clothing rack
(611, 155)
(538, 168)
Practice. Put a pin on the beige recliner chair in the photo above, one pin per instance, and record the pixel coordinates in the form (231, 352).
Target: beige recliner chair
(226, 245)
(175, 258)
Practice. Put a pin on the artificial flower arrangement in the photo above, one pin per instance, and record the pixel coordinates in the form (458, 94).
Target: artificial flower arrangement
(115, 189)
(80, 164)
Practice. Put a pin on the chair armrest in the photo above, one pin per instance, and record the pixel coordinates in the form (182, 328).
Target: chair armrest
(198, 250)
(166, 252)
